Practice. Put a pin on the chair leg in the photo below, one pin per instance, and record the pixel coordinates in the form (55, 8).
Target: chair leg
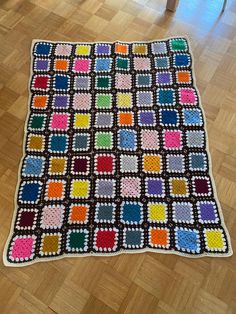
(172, 5)
(224, 5)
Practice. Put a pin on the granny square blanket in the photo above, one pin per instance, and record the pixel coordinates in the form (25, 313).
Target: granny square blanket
(115, 157)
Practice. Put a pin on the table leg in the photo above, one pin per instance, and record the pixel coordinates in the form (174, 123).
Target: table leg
(172, 5)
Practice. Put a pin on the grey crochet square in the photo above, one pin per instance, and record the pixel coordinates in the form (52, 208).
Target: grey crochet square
(176, 163)
(104, 120)
(183, 211)
(144, 99)
(129, 163)
(82, 82)
(105, 188)
(195, 138)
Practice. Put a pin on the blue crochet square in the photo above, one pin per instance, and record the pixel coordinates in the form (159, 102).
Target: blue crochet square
(105, 212)
(144, 80)
(29, 192)
(162, 63)
(33, 166)
(58, 143)
(187, 240)
(43, 49)
(133, 238)
(165, 97)
(181, 60)
(131, 212)
(197, 161)
(103, 64)
(169, 117)
(81, 142)
(127, 139)
(192, 117)
(61, 82)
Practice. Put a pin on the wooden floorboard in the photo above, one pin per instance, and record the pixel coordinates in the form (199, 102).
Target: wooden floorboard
(145, 283)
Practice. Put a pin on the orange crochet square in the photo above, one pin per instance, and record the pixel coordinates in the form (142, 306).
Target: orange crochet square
(55, 189)
(121, 48)
(179, 186)
(140, 49)
(40, 102)
(125, 118)
(152, 163)
(183, 77)
(78, 213)
(159, 237)
(61, 64)
(50, 244)
(36, 142)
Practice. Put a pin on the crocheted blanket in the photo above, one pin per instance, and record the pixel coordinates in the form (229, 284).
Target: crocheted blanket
(115, 157)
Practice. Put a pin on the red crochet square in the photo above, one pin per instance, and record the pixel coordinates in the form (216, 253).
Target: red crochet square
(104, 164)
(105, 239)
(41, 82)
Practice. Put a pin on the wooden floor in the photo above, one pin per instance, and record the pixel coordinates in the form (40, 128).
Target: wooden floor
(144, 283)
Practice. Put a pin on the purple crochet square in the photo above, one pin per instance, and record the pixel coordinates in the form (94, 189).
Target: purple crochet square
(164, 78)
(146, 118)
(61, 101)
(42, 65)
(155, 186)
(207, 211)
(103, 49)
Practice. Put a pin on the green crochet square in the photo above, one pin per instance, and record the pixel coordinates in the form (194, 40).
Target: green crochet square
(103, 101)
(77, 240)
(122, 63)
(103, 82)
(103, 140)
(37, 122)
(178, 44)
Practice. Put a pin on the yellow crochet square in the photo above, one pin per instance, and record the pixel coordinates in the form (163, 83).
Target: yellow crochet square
(124, 100)
(82, 50)
(214, 239)
(152, 163)
(57, 165)
(82, 121)
(140, 49)
(80, 189)
(157, 212)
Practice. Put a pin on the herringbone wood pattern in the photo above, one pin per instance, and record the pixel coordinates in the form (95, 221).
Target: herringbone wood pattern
(144, 283)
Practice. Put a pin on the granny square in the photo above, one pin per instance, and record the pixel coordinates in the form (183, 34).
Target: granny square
(116, 155)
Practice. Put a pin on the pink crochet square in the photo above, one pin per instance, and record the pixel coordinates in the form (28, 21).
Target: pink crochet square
(82, 65)
(142, 64)
(63, 50)
(187, 96)
(150, 139)
(59, 121)
(172, 139)
(123, 81)
(82, 101)
(130, 187)
(52, 217)
(22, 248)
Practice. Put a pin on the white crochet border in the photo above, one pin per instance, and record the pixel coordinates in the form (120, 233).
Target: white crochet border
(46, 259)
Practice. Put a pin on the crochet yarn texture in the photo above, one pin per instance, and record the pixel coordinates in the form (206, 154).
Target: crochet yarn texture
(116, 156)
